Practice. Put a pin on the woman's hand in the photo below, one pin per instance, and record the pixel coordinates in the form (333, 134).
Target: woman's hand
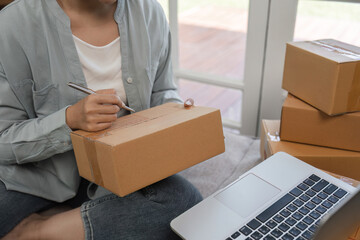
(94, 112)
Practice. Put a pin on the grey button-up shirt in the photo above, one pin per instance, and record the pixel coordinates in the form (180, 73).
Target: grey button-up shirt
(37, 59)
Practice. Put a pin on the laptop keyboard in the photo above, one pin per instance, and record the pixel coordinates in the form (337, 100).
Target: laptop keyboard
(296, 215)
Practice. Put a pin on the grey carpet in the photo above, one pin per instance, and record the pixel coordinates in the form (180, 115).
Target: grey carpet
(241, 154)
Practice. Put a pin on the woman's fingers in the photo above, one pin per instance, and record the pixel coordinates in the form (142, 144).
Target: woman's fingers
(109, 96)
(95, 112)
(104, 118)
(98, 122)
(106, 91)
(107, 109)
(98, 127)
(108, 99)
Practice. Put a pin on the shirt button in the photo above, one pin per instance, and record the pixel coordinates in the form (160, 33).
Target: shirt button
(129, 80)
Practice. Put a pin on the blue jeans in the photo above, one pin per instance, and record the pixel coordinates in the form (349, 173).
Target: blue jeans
(145, 214)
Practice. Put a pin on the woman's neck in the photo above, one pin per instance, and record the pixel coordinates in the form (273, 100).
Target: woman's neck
(96, 8)
(92, 20)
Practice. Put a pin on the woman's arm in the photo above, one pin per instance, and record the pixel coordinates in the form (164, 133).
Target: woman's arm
(25, 140)
(164, 89)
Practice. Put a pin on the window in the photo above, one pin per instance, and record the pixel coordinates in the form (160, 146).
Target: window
(324, 19)
(211, 53)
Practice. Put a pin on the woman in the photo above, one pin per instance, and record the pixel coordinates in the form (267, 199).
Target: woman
(44, 44)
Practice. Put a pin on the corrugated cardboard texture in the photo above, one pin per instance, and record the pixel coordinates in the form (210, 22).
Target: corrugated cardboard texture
(342, 162)
(325, 74)
(355, 235)
(81, 157)
(148, 146)
(303, 123)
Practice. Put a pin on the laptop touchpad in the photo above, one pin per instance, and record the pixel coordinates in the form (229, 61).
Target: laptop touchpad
(247, 195)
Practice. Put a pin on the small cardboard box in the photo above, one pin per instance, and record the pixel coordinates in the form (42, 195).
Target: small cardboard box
(148, 146)
(325, 74)
(303, 123)
(342, 162)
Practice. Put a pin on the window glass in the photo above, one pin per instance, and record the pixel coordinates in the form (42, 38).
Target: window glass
(326, 19)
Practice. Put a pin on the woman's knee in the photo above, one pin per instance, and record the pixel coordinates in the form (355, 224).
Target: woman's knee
(188, 191)
(174, 192)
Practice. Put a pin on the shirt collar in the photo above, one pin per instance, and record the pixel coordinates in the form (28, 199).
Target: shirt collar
(58, 12)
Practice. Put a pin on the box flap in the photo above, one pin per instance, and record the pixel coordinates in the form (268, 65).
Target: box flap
(331, 49)
(152, 120)
(293, 102)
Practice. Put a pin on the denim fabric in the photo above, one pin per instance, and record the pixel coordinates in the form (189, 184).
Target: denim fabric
(15, 206)
(145, 214)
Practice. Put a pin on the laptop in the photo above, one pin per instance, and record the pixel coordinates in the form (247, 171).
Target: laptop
(281, 198)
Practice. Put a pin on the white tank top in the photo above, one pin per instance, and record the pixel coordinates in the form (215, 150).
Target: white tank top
(102, 66)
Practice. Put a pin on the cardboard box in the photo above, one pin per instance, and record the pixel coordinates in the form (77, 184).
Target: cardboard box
(145, 147)
(355, 235)
(316, 156)
(325, 74)
(342, 162)
(303, 123)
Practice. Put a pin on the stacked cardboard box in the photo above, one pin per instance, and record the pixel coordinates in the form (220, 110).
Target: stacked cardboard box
(321, 114)
(325, 74)
(303, 123)
(342, 162)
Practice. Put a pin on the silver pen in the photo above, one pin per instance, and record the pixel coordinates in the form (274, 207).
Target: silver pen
(90, 91)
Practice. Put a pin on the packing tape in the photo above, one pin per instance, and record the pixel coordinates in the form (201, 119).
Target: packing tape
(274, 138)
(92, 157)
(353, 103)
(337, 49)
(189, 103)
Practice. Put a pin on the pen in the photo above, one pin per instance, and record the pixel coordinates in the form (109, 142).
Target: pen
(89, 91)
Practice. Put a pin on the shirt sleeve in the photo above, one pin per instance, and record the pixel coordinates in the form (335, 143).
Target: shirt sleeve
(24, 140)
(164, 89)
